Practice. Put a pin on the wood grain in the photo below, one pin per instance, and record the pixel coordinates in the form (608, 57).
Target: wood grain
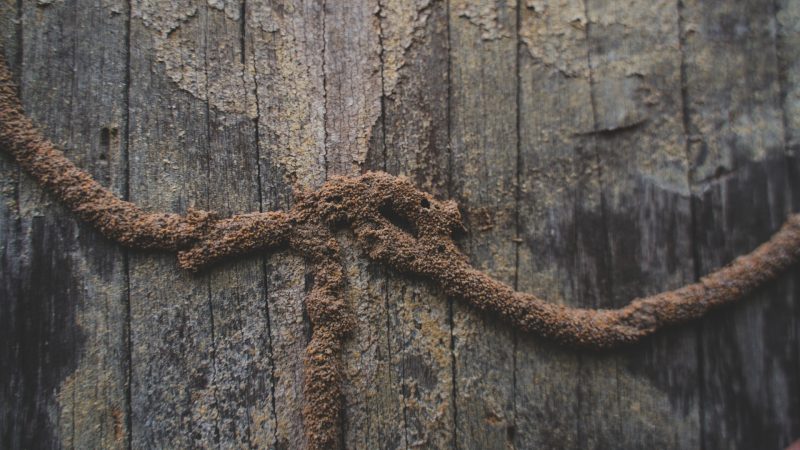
(63, 312)
(200, 344)
(483, 143)
(788, 47)
(739, 178)
(560, 255)
(640, 151)
(283, 55)
(415, 144)
(600, 151)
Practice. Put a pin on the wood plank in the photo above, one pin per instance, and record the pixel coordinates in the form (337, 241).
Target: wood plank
(11, 37)
(64, 291)
(598, 213)
(560, 253)
(243, 354)
(232, 103)
(373, 412)
(788, 46)
(12, 432)
(414, 43)
(635, 68)
(415, 94)
(321, 126)
(483, 142)
(201, 355)
(352, 67)
(353, 87)
(171, 325)
(739, 179)
(284, 51)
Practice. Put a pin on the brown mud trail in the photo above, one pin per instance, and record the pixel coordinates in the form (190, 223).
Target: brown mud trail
(395, 224)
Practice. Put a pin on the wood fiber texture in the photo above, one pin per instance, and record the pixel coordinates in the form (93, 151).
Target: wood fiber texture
(598, 153)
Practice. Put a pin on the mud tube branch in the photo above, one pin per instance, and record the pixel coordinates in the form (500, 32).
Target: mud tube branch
(439, 261)
(118, 220)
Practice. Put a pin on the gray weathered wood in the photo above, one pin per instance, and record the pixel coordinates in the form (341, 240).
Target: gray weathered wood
(284, 53)
(64, 294)
(483, 143)
(414, 40)
(599, 151)
(739, 177)
(645, 224)
(200, 343)
(558, 195)
(788, 46)
(352, 71)
(242, 344)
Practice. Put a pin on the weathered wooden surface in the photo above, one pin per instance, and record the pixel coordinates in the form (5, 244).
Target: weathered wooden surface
(738, 155)
(599, 151)
(65, 352)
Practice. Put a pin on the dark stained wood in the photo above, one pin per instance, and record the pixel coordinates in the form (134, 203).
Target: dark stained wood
(12, 431)
(63, 310)
(748, 355)
(602, 222)
(555, 164)
(644, 225)
(788, 47)
(599, 151)
(563, 251)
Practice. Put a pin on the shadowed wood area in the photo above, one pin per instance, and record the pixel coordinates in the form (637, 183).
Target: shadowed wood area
(599, 151)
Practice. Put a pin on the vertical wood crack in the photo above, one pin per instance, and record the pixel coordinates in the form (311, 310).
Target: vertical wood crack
(265, 272)
(449, 182)
(694, 244)
(511, 427)
(126, 193)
